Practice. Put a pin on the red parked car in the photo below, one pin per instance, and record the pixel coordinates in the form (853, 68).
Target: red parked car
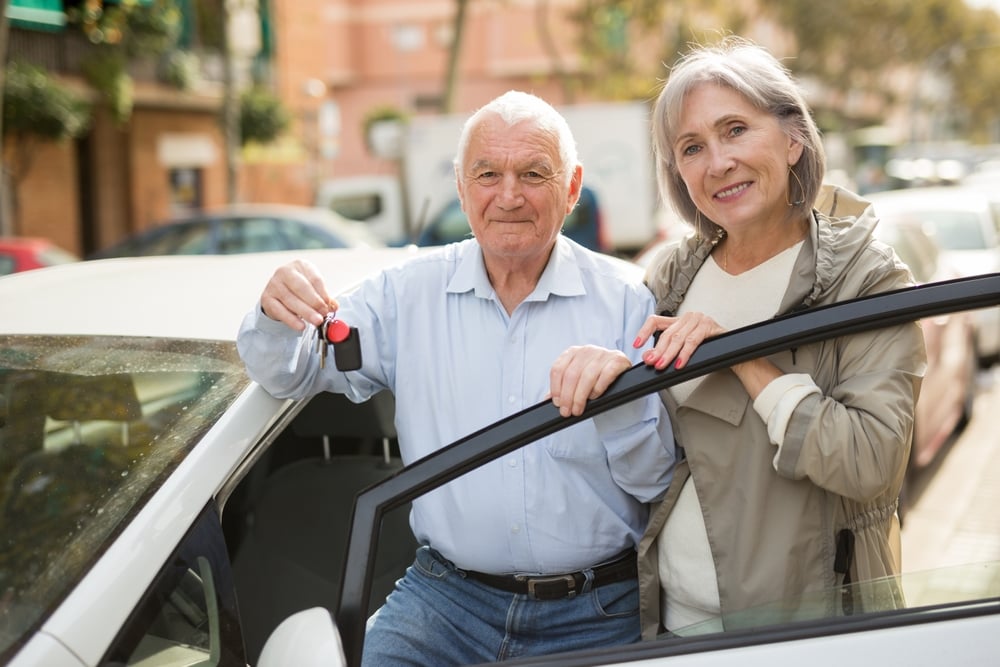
(23, 253)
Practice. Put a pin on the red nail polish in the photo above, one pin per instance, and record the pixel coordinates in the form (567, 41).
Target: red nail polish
(637, 342)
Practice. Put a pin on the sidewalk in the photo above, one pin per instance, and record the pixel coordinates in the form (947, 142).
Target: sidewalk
(955, 519)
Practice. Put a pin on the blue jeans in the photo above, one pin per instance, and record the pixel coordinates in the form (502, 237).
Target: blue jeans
(437, 617)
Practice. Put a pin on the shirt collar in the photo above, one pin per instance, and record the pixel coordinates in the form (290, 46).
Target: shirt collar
(561, 277)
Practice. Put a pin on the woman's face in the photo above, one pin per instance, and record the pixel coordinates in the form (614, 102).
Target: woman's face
(734, 159)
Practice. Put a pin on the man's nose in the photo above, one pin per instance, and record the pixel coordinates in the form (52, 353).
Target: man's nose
(511, 194)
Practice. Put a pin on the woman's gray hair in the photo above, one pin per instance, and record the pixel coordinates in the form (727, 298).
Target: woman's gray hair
(514, 107)
(754, 73)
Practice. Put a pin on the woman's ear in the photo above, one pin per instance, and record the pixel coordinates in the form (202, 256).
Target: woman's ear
(795, 149)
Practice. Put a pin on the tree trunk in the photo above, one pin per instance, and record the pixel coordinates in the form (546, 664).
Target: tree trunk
(230, 109)
(458, 29)
(6, 221)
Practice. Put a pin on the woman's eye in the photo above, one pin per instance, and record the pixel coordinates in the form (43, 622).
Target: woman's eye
(689, 150)
(737, 130)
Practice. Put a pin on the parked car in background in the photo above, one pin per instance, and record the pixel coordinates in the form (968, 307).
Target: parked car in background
(245, 228)
(148, 485)
(19, 253)
(963, 223)
(948, 390)
(584, 224)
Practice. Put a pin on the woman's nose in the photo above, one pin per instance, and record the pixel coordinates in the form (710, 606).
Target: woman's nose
(720, 160)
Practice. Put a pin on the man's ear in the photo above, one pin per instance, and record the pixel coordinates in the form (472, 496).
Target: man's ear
(575, 188)
(460, 190)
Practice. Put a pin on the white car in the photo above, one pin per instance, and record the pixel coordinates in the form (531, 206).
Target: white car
(158, 508)
(962, 220)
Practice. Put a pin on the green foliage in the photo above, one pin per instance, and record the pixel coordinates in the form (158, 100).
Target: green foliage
(35, 104)
(105, 70)
(262, 116)
(141, 30)
(610, 31)
(152, 29)
(124, 31)
(181, 69)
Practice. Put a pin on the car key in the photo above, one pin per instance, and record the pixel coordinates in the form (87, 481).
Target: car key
(322, 347)
(346, 343)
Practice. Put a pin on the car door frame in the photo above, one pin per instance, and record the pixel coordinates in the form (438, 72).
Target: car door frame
(821, 323)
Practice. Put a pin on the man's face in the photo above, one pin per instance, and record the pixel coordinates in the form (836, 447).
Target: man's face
(514, 189)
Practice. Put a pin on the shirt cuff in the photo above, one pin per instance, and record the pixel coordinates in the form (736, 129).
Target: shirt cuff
(264, 323)
(779, 399)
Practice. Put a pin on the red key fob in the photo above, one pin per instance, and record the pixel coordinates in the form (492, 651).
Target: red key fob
(346, 345)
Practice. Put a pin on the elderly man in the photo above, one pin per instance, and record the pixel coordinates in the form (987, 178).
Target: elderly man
(534, 552)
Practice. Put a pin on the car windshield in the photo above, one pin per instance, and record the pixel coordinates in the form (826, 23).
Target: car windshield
(89, 428)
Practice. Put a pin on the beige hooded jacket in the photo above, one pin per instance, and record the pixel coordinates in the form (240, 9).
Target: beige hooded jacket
(778, 534)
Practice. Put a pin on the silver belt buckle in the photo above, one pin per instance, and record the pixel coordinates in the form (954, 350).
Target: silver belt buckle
(568, 578)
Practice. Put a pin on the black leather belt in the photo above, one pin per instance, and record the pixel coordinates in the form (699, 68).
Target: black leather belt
(559, 586)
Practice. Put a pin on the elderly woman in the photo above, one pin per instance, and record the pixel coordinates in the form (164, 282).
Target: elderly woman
(793, 462)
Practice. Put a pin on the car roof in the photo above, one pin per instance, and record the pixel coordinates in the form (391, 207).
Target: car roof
(138, 296)
(956, 197)
(249, 209)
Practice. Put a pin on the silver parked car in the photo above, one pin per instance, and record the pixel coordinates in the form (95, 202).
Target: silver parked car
(243, 228)
(963, 223)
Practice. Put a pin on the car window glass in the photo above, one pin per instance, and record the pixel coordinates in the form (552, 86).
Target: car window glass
(188, 616)
(307, 237)
(253, 234)
(88, 427)
(180, 239)
(6, 265)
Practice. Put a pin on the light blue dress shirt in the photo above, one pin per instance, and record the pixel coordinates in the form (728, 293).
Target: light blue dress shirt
(434, 333)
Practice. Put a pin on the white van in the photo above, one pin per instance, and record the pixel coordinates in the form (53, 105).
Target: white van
(376, 201)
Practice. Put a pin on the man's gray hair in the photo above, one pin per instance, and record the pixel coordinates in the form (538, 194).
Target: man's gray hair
(515, 107)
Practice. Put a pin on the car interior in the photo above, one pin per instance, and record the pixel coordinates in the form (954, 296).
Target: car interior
(333, 449)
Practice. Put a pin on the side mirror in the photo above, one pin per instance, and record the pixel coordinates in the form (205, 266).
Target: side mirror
(307, 638)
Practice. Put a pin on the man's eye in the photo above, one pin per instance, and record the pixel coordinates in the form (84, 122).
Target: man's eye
(533, 177)
(488, 178)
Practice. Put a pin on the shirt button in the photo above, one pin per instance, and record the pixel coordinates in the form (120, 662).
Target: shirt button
(512, 463)
(511, 398)
(515, 528)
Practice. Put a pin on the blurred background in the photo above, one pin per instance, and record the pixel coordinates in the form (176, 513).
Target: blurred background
(120, 116)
